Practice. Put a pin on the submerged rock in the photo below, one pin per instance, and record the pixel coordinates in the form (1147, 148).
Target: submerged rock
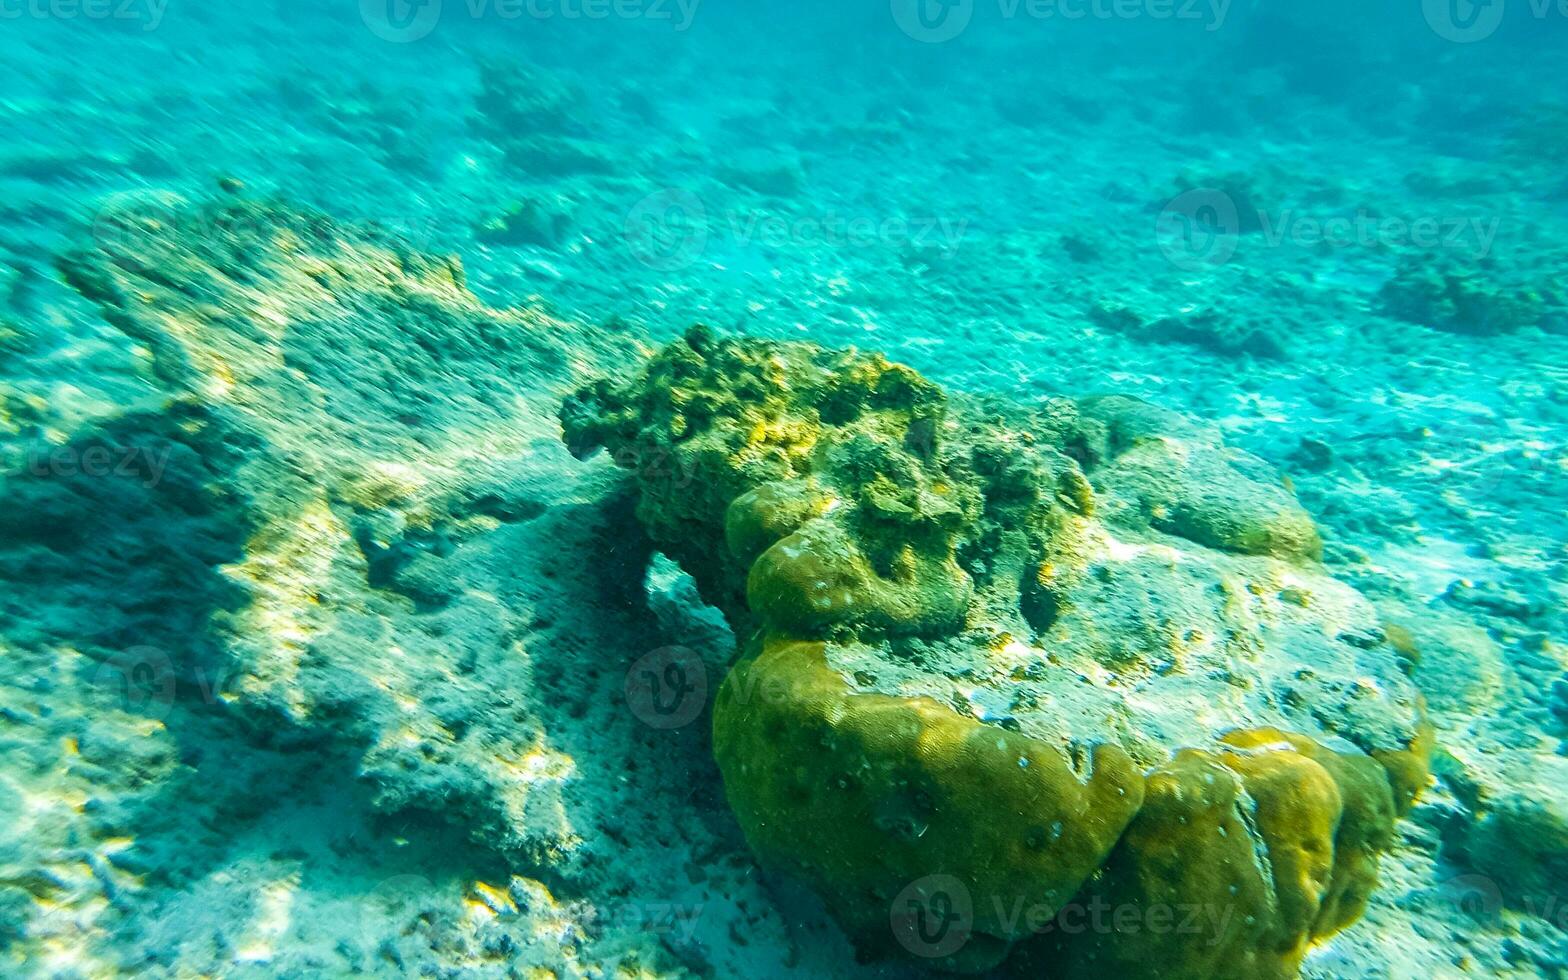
(540, 123)
(1002, 663)
(327, 602)
(1486, 298)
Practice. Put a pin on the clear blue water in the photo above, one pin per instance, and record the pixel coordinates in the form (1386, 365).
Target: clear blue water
(1338, 235)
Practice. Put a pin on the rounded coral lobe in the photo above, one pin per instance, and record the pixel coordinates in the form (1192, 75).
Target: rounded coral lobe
(1078, 651)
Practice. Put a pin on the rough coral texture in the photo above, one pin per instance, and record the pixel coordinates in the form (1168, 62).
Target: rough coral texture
(1488, 297)
(1071, 653)
(308, 632)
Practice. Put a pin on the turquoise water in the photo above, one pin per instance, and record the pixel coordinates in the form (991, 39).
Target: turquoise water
(321, 656)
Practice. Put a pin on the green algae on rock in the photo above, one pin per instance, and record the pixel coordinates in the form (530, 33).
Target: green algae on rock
(1045, 651)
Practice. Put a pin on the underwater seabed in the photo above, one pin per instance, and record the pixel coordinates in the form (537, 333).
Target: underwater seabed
(1112, 521)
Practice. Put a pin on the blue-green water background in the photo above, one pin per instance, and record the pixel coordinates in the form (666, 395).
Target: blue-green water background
(1201, 204)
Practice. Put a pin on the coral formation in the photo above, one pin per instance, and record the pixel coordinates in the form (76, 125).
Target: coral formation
(429, 760)
(1323, 817)
(545, 221)
(1488, 297)
(1509, 819)
(537, 121)
(1207, 329)
(322, 599)
(1059, 653)
(1522, 843)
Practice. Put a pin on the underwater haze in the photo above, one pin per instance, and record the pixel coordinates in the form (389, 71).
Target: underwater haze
(630, 489)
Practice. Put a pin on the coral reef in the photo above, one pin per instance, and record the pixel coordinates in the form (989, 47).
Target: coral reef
(1076, 652)
(1522, 843)
(530, 221)
(538, 121)
(321, 605)
(1508, 822)
(1210, 330)
(1486, 298)
(972, 209)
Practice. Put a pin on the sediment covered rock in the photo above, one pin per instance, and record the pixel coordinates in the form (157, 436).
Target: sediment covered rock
(321, 599)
